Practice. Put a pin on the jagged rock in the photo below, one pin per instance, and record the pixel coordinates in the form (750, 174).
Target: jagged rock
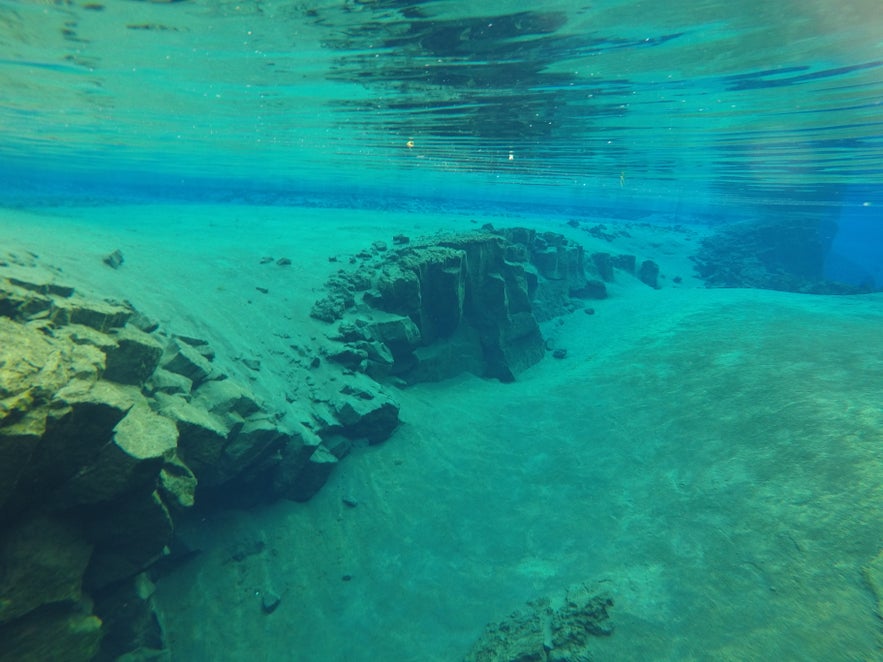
(130, 461)
(398, 333)
(128, 538)
(604, 265)
(34, 367)
(133, 357)
(114, 259)
(130, 623)
(350, 357)
(256, 439)
(78, 421)
(332, 307)
(293, 458)
(649, 274)
(559, 628)
(85, 335)
(201, 345)
(226, 397)
(43, 560)
(99, 315)
(270, 601)
(42, 286)
(448, 290)
(186, 360)
(312, 475)
(202, 437)
(177, 484)
(171, 383)
(365, 410)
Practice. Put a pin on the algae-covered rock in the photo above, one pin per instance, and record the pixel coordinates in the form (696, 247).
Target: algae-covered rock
(202, 437)
(177, 484)
(42, 561)
(94, 313)
(131, 460)
(128, 538)
(133, 357)
(186, 360)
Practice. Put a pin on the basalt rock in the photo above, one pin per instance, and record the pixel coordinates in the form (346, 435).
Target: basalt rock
(560, 627)
(108, 431)
(454, 303)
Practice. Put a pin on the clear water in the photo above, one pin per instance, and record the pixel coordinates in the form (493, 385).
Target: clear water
(666, 106)
(714, 456)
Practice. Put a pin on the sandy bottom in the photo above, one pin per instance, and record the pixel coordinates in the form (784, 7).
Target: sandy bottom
(712, 458)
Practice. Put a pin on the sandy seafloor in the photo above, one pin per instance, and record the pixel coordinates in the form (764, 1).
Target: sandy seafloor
(711, 458)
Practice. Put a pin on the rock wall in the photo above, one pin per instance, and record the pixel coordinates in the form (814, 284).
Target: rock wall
(110, 430)
(453, 303)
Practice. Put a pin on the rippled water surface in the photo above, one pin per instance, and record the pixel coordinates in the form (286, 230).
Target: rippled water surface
(778, 102)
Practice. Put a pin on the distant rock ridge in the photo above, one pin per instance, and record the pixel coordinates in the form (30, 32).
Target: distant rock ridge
(772, 254)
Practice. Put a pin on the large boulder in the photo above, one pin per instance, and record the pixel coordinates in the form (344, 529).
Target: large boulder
(452, 303)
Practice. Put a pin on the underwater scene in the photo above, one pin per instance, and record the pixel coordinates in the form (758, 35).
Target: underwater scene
(441, 331)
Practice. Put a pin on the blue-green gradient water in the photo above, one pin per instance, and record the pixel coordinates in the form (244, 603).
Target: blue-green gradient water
(670, 106)
(713, 456)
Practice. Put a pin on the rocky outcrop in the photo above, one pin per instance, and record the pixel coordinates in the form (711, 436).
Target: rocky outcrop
(560, 627)
(771, 254)
(110, 430)
(433, 308)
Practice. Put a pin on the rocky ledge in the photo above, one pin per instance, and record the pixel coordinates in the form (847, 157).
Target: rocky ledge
(469, 302)
(110, 430)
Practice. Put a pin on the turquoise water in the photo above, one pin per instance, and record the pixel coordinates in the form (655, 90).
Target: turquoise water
(712, 457)
(707, 104)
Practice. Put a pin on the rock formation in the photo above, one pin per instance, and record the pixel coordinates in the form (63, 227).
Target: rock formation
(771, 254)
(109, 431)
(112, 429)
(558, 628)
(433, 308)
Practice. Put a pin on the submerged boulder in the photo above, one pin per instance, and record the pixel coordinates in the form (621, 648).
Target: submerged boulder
(458, 302)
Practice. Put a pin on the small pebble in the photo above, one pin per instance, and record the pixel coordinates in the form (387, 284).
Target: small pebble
(283, 262)
(252, 364)
(559, 353)
(270, 601)
(589, 311)
(114, 260)
(350, 501)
